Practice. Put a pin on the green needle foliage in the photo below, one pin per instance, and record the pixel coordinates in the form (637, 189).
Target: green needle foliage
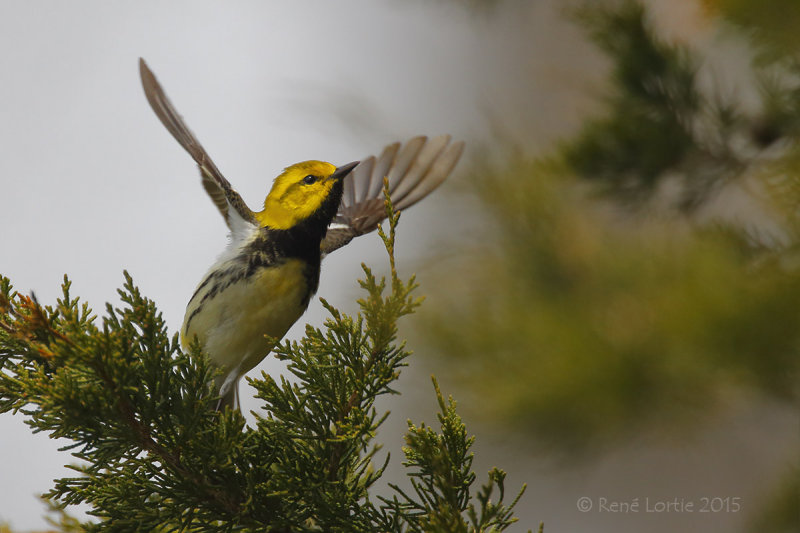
(655, 305)
(648, 127)
(641, 279)
(441, 477)
(595, 331)
(155, 456)
(773, 23)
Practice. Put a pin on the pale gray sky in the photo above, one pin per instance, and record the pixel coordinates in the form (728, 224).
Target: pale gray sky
(93, 184)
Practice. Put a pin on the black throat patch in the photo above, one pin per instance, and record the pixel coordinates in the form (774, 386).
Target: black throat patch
(272, 247)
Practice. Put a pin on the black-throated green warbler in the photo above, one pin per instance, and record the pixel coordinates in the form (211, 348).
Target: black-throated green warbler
(263, 281)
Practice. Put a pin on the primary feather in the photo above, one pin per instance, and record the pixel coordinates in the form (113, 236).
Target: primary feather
(414, 170)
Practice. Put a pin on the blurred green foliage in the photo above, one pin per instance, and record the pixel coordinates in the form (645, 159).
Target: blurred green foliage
(586, 327)
(590, 318)
(613, 292)
(648, 127)
(772, 22)
(781, 514)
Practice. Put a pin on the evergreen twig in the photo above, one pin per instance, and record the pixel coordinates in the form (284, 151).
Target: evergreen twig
(156, 456)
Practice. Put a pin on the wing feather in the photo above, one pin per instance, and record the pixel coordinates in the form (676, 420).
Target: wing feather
(403, 161)
(420, 166)
(439, 170)
(362, 184)
(382, 168)
(218, 188)
(414, 170)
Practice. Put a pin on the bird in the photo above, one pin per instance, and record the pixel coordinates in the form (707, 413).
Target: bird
(264, 279)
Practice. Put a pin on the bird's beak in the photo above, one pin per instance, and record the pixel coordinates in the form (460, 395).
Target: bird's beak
(343, 171)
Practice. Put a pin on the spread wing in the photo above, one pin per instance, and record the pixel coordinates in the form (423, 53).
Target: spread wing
(414, 170)
(227, 200)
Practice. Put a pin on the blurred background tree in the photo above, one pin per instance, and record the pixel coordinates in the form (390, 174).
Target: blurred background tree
(641, 277)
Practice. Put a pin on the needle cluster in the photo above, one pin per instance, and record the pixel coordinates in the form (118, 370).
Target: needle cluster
(153, 454)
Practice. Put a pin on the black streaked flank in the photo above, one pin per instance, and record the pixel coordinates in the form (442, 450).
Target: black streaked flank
(273, 247)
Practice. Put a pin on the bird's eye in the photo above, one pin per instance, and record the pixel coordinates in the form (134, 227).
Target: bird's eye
(308, 180)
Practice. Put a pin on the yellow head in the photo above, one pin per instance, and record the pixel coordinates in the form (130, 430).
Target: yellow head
(300, 191)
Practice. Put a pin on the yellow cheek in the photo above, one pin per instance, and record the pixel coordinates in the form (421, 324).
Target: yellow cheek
(296, 204)
(306, 199)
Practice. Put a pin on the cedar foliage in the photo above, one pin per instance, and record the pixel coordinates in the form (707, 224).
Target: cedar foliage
(155, 456)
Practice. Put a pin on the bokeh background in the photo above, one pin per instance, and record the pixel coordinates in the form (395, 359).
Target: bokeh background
(611, 273)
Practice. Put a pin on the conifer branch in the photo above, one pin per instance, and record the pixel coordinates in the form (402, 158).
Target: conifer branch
(139, 412)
